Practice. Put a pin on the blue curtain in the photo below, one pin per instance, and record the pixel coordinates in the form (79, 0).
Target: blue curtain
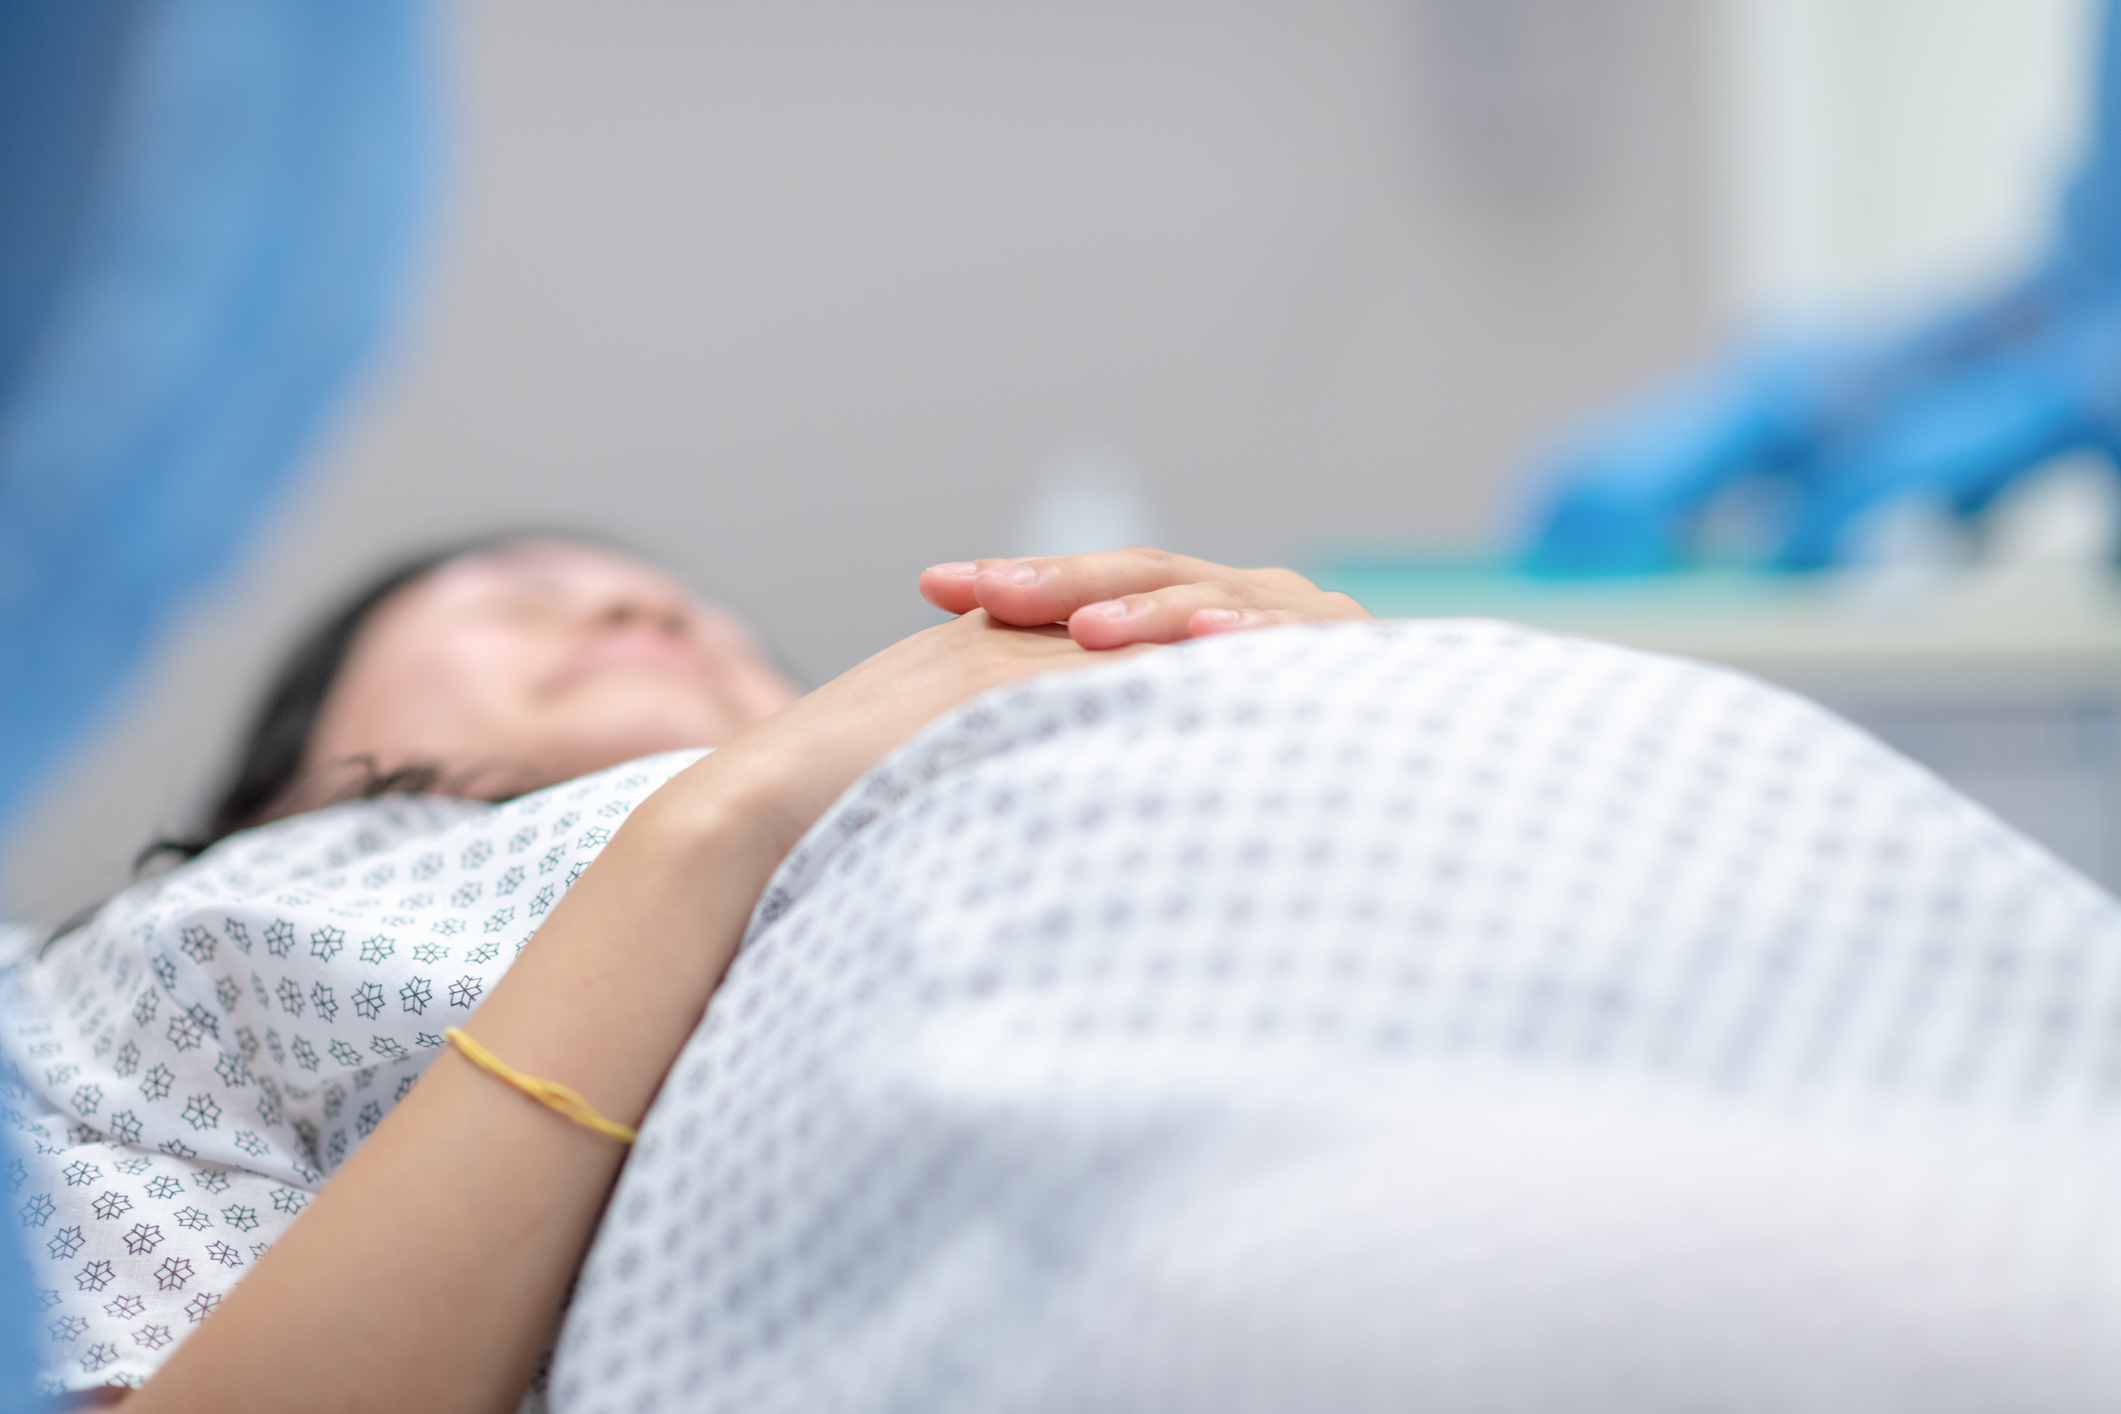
(206, 211)
(209, 207)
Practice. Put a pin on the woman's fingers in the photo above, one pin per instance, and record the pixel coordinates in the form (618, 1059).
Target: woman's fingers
(1044, 591)
(1206, 623)
(1049, 591)
(1122, 597)
(1195, 610)
(949, 587)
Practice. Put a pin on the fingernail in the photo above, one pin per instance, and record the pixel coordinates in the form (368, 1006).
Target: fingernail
(1218, 618)
(1017, 574)
(956, 569)
(1113, 609)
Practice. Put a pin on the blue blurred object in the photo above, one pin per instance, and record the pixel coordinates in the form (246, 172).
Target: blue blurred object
(1953, 412)
(207, 214)
(210, 206)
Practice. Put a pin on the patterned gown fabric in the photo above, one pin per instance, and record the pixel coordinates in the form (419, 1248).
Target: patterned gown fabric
(189, 1068)
(1424, 1016)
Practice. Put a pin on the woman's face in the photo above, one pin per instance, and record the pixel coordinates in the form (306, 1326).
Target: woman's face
(532, 663)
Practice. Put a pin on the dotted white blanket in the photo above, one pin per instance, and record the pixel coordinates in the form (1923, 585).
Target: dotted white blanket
(1425, 1016)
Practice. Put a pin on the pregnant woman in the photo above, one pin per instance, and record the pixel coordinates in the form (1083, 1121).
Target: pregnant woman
(1353, 1015)
(216, 1035)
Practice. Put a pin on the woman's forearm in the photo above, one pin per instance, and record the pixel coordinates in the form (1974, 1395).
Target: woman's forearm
(428, 1273)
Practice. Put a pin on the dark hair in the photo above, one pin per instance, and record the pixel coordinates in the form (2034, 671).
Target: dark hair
(269, 763)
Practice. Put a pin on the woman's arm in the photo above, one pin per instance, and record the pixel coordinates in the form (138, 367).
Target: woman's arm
(429, 1272)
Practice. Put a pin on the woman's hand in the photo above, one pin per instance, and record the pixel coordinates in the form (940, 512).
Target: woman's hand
(788, 769)
(799, 760)
(1123, 597)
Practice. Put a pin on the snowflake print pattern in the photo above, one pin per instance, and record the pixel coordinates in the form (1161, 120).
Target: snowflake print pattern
(187, 1040)
(198, 944)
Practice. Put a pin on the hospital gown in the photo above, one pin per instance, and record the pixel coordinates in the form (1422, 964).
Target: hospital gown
(1434, 1016)
(189, 1068)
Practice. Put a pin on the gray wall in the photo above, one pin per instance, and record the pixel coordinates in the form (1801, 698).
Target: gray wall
(802, 296)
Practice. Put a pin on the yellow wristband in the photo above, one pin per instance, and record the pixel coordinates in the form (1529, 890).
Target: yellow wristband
(551, 1094)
